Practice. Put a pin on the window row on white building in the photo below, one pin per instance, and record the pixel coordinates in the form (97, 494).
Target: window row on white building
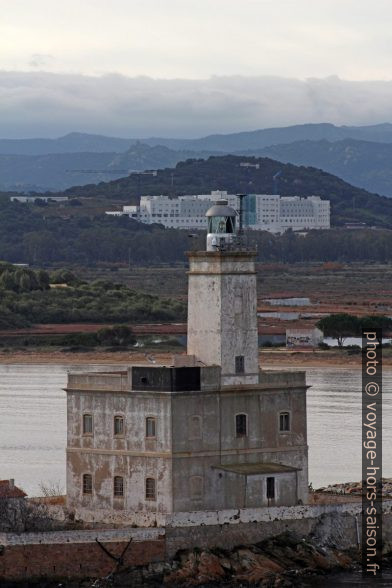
(195, 425)
(268, 212)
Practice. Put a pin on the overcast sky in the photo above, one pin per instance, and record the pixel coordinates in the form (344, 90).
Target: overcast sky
(172, 41)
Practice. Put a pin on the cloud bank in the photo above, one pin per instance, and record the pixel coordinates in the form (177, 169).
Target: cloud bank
(40, 104)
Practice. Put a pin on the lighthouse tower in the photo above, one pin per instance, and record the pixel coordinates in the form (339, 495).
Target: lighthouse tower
(209, 431)
(222, 301)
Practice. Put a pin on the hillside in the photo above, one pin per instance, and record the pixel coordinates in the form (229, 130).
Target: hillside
(264, 137)
(84, 142)
(60, 171)
(226, 173)
(71, 143)
(78, 232)
(364, 164)
(359, 155)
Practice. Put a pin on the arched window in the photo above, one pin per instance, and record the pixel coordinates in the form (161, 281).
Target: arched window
(87, 484)
(118, 426)
(241, 425)
(284, 421)
(87, 424)
(151, 427)
(118, 486)
(150, 489)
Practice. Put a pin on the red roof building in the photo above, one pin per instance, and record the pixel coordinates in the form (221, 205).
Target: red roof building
(9, 490)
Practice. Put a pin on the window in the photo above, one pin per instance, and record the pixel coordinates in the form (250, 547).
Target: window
(241, 425)
(194, 427)
(150, 427)
(284, 421)
(87, 424)
(150, 489)
(239, 364)
(196, 487)
(270, 488)
(118, 486)
(118, 425)
(87, 484)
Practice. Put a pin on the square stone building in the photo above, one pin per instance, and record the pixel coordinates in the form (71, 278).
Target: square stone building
(211, 431)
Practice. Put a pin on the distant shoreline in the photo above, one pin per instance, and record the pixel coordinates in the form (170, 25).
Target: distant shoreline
(268, 359)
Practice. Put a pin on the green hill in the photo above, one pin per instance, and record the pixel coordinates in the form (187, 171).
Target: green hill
(364, 164)
(226, 173)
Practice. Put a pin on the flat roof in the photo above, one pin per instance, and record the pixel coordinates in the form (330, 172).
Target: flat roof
(249, 469)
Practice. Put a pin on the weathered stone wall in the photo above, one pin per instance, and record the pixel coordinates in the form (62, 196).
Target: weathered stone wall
(76, 554)
(216, 443)
(131, 455)
(222, 313)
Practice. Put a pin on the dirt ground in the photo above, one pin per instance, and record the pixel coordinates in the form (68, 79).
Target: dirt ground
(268, 359)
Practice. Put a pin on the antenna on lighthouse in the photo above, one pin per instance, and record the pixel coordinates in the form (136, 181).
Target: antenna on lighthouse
(240, 233)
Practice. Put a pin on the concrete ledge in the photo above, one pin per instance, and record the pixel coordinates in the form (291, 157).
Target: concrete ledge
(157, 522)
(61, 537)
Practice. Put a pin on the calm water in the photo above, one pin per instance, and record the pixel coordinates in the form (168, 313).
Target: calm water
(33, 424)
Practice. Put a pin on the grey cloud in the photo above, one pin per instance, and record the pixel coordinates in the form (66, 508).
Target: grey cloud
(45, 104)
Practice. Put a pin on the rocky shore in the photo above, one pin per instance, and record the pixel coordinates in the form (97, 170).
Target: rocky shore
(355, 488)
(284, 561)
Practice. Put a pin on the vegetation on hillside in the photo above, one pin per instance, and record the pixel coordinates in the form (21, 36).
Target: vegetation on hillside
(24, 300)
(225, 173)
(361, 163)
(28, 235)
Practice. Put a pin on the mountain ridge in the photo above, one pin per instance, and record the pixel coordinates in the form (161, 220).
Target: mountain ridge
(80, 142)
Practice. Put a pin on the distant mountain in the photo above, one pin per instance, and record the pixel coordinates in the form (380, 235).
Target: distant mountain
(361, 163)
(59, 171)
(266, 137)
(226, 173)
(83, 142)
(359, 155)
(71, 143)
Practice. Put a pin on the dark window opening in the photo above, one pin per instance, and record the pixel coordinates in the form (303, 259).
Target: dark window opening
(150, 489)
(270, 488)
(241, 425)
(239, 364)
(118, 425)
(118, 486)
(284, 421)
(87, 484)
(150, 427)
(87, 424)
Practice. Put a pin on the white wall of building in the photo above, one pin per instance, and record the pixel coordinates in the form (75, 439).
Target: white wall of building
(273, 213)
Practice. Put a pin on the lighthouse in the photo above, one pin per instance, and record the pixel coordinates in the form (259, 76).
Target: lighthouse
(222, 301)
(207, 431)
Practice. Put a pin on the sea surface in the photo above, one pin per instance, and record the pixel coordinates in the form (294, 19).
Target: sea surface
(33, 424)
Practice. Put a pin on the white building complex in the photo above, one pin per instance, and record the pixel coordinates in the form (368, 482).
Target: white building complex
(268, 212)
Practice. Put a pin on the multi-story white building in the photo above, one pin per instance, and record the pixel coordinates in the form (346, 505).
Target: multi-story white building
(268, 212)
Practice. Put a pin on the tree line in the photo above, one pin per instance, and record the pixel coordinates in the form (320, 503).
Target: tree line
(28, 236)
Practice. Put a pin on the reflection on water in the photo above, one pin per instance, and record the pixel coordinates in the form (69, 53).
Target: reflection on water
(33, 424)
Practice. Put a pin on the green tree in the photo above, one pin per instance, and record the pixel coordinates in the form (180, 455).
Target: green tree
(339, 326)
(381, 322)
(7, 280)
